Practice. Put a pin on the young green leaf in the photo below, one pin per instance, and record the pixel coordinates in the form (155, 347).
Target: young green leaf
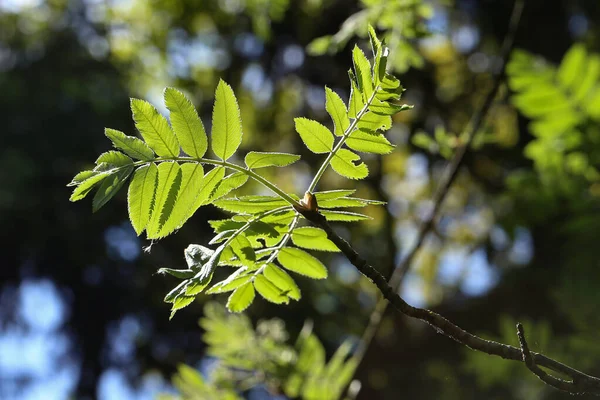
(312, 238)
(315, 136)
(369, 143)
(333, 194)
(343, 216)
(197, 255)
(356, 102)
(343, 162)
(140, 197)
(348, 202)
(186, 123)
(211, 180)
(256, 159)
(231, 182)
(269, 291)
(87, 185)
(179, 303)
(243, 249)
(282, 280)
(371, 122)
(204, 276)
(114, 159)
(226, 122)
(250, 204)
(362, 68)
(110, 186)
(132, 146)
(169, 183)
(301, 262)
(337, 110)
(154, 129)
(191, 180)
(80, 177)
(241, 298)
(235, 280)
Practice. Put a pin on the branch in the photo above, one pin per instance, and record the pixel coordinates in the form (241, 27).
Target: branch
(581, 383)
(449, 176)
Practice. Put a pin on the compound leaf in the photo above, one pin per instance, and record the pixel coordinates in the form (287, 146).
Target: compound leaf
(169, 183)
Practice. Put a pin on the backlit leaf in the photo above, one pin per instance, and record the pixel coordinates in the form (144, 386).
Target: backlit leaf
(110, 186)
(192, 175)
(301, 262)
(226, 122)
(343, 216)
(343, 162)
(282, 280)
(179, 303)
(333, 194)
(362, 69)
(154, 128)
(211, 180)
(250, 204)
(140, 197)
(87, 185)
(241, 298)
(348, 202)
(131, 145)
(356, 102)
(315, 136)
(169, 183)
(235, 280)
(369, 143)
(312, 238)
(186, 123)
(114, 159)
(255, 159)
(269, 291)
(229, 183)
(243, 249)
(337, 110)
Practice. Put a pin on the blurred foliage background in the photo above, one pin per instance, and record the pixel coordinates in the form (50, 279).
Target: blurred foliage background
(81, 313)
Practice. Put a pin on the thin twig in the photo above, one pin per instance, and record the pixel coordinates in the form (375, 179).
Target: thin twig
(581, 383)
(449, 176)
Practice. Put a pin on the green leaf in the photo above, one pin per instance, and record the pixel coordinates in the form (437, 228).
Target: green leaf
(179, 303)
(192, 175)
(250, 204)
(269, 291)
(362, 68)
(169, 183)
(255, 159)
(114, 159)
(356, 102)
(348, 202)
(231, 182)
(369, 143)
(177, 273)
(315, 136)
(282, 280)
(154, 129)
(301, 262)
(140, 197)
(109, 187)
(372, 122)
(235, 280)
(243, 249)
(386, 108)
(343, 163)
(87, 185)
(80, 177)
(132, 146)
(226, 122)
(333, 194)
(186, 123)
(241, 298)
(211, 180)
(312, 238)
(343, 216)
(374, 40)
(337, 110)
